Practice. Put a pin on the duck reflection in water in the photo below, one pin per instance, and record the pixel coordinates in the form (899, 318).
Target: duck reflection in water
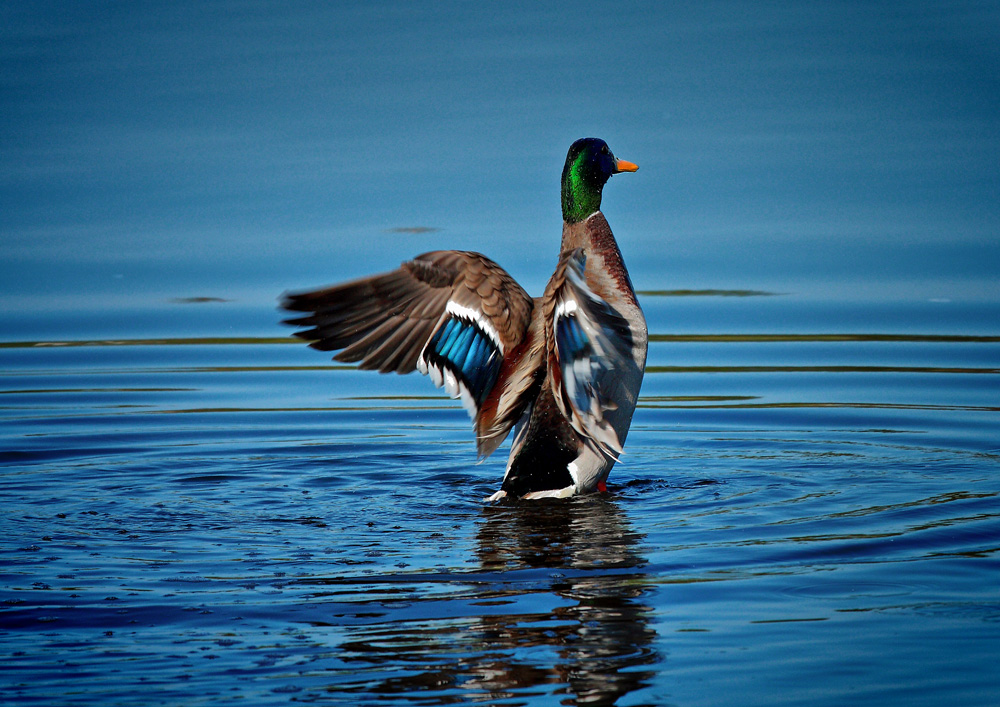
(590, 611)
(555, 607)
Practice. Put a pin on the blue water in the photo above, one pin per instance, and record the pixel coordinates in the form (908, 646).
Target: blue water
(198, 510)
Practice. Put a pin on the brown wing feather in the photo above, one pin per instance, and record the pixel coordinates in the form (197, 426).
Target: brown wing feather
(357, 316)
(520, 378)
(385, 321)
(382, 321)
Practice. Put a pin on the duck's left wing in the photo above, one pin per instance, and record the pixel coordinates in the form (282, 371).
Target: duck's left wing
(589, 346)
(456, 316)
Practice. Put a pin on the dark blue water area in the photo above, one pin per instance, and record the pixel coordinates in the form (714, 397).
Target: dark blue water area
(199, 510)
(799, 522)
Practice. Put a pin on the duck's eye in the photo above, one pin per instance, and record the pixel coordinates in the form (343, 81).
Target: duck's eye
(605, 150)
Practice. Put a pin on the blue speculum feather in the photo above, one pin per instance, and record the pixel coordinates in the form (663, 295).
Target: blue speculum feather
(468, 352)
(573, 343)
(574, 346)
(460, 349)
(473, 357)
(449, 338)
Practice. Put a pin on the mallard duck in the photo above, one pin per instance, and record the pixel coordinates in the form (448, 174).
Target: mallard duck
(563, 371)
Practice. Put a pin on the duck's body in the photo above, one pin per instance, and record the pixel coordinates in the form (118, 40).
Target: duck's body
(563, 369)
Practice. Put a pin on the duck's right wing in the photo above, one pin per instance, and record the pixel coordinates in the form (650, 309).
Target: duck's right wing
(589, 347)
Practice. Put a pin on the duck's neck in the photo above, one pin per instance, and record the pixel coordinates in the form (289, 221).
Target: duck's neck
(593, 234)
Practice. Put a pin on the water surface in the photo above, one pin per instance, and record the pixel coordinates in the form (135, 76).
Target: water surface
(198, 510)
(798, 519)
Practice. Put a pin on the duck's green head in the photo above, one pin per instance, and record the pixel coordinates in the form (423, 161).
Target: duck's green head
(589, 166)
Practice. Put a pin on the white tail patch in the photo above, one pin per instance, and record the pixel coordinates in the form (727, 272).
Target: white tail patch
(554, 493)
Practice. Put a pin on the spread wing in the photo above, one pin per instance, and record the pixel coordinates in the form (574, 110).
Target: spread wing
(589, 348)
(455, 316)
